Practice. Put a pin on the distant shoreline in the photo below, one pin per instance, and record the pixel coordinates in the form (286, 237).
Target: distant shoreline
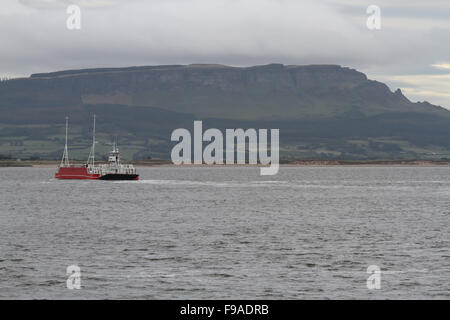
(283, 163)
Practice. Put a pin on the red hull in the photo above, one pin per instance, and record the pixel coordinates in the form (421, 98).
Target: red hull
(75, 172)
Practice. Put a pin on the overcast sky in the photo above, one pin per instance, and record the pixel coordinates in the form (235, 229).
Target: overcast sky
(411, 51)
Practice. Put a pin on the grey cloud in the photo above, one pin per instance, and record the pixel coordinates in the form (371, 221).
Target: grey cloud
(57, 4)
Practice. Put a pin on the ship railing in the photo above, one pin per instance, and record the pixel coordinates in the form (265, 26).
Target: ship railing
(94, 170)
(108, 169)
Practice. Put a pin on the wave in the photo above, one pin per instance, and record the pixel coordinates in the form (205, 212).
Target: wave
(207, 183)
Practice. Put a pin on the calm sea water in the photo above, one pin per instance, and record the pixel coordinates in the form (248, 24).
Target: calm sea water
(194, 233)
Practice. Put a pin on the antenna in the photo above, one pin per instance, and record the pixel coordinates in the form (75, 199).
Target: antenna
(116, 149)
(65, 158)
(93, 143)
(91, 159)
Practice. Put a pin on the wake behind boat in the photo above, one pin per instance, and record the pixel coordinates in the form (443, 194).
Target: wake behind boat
(113, 170)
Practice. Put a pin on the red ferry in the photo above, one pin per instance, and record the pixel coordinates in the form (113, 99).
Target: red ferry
(113, 170)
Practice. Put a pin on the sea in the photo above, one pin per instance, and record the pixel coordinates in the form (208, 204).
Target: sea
(309, 232)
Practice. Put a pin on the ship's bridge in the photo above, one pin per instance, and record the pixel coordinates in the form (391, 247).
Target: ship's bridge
(114, 155)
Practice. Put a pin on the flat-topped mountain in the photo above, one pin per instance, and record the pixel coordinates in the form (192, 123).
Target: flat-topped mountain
(263, 92)
(319, 103)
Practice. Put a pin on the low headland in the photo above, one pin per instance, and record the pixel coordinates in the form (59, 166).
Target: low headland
(299, 162)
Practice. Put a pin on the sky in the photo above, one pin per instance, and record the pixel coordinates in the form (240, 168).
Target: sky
(411, 50)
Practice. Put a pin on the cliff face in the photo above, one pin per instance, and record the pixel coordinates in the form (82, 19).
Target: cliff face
(215, 91)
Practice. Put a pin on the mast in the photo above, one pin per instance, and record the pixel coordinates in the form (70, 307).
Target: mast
(65, 158)
(116, 150)
(91, 159)
(93, 143)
